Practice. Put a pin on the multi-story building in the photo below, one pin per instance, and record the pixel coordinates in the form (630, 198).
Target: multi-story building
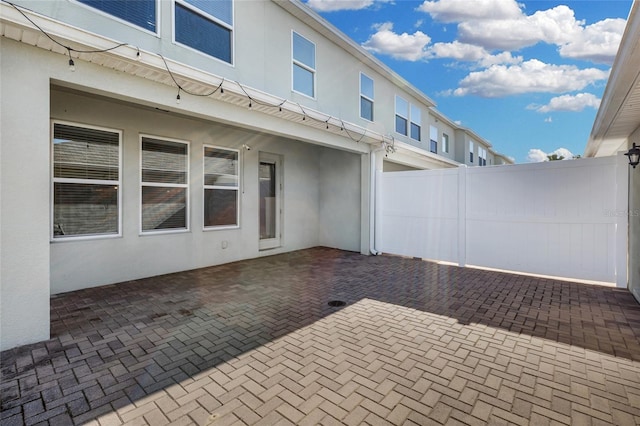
(146, 137)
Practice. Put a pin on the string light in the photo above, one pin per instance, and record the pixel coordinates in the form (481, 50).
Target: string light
(389, 148)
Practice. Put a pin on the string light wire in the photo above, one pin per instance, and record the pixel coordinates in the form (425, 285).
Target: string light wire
(389, 147)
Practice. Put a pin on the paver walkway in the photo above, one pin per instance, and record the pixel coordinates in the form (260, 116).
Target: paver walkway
(255, 342)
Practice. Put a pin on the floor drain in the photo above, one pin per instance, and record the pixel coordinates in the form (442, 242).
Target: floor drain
(336, 303)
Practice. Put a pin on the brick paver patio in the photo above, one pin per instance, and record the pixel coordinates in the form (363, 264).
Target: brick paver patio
(255, 342)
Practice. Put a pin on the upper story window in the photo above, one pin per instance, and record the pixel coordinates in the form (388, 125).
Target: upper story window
(471, 151)
(221, 187)
(206, 26)
(304, 65)
(402, 115)
(433, 139)
(141, 12)
(482, 156)
(366, 97)
(416, 129)
(86, 181)
(445, 142)
(164, 185)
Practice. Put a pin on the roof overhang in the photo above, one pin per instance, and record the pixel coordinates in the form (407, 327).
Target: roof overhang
(619, 113)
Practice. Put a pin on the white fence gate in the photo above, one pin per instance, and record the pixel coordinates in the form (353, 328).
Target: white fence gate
(559, 218)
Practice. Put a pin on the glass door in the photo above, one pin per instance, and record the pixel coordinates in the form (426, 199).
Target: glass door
(269, 182)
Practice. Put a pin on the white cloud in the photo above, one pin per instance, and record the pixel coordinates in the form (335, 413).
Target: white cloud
(554, 26)
(573, 103)
(409, 47)
(536, 155)
(502, 24)
(597, 42)
(548, 120)
(469, 52)
(529, 77)
(463, 10)
(335, 5)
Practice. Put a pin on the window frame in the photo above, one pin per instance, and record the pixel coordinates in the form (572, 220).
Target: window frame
(433, 142)
(186, 185)
(367, 98)
(55, 180)
(445, 142)
(211, 18)
(124, 21)
(471, 149)
(228, 188)
(405, 118)
(313, 71)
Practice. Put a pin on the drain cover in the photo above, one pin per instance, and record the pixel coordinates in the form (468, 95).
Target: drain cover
(336, 303)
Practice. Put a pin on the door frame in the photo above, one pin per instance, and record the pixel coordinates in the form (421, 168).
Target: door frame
(277, 160)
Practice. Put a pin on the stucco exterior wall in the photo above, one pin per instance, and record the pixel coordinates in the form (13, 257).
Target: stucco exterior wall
(24, 217)
(634, 225)
(33, 267)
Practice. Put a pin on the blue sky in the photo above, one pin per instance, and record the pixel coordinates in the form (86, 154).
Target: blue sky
(527, 76)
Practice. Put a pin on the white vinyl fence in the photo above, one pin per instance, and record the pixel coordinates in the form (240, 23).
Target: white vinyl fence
(559, 218)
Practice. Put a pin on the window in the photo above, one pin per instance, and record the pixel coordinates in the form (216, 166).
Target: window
(366, 97)
(482, 156)
(221, 184)
(471, 151)
(433, 138)
(206, 26)
(86, 181)
(415, 123)
(164, 184)
(445, 142)
(402, 115)
(141, 13)
(304, 65)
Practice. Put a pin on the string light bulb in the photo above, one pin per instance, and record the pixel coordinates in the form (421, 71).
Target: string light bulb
(178, 97)
(72, 65)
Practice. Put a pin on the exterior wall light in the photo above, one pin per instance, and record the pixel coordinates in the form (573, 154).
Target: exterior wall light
(634, 155)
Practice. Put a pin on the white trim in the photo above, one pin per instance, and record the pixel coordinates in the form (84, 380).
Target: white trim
(211, 18)
(313, 71)
(124, 21)
(445, 138)
(362, 95)
(53, 180)
(186, 186)
(415, 108)
(228, 188)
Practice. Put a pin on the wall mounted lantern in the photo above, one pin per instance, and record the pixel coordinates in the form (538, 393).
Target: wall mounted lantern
(634, 155)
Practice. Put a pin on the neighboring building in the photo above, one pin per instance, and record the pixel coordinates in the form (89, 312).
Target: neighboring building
(166, 151)
(617, 127)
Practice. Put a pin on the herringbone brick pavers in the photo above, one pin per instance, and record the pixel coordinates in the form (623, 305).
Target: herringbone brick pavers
(255, 342)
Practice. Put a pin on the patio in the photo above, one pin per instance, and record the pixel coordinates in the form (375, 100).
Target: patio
(255, 342)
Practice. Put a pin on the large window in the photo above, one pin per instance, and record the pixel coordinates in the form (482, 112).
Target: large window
(164, 184)
(140, 12)
(221, 185)
(86, 181)
(433, 139)
(445, 142)
(402, 115)
(366, 97)
(304, 65)
(206, 26)
(416, 123)
(482, 156)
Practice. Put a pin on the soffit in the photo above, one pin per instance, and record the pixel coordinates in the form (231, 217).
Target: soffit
(619, 113)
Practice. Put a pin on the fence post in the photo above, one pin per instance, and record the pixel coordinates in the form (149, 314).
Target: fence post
(622, 220)
(462, 215)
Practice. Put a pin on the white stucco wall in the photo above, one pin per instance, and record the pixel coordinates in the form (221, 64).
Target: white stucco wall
(24, 217)
(634, 225)
(32, 267)
(340, 200)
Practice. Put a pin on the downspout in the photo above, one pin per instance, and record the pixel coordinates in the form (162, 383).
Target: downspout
(372, 202)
